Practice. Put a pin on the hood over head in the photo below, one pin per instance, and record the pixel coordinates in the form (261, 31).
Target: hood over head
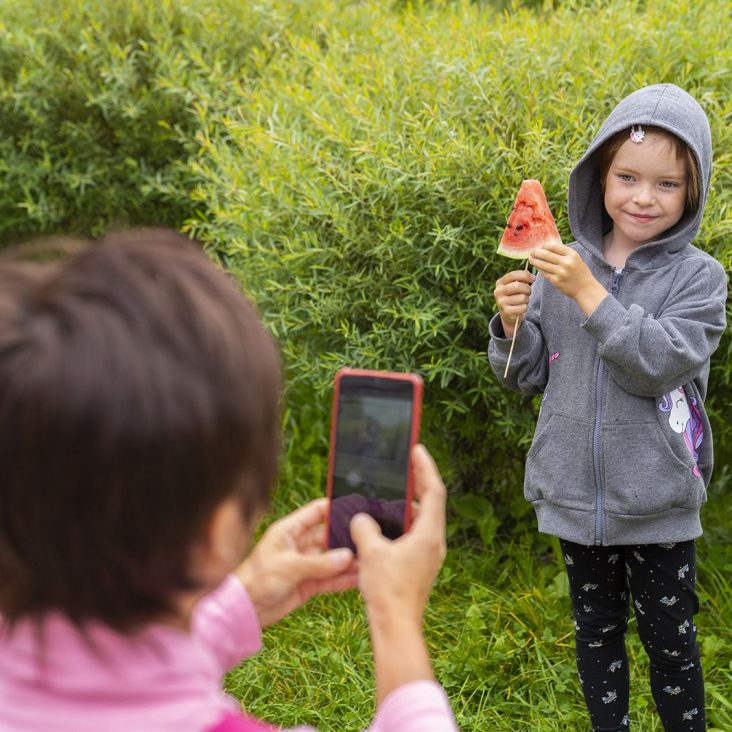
(665, 106)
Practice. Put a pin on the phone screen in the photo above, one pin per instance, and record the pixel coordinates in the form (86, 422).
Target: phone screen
(371, 453)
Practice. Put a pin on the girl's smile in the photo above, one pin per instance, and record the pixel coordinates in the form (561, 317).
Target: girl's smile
(642, 218)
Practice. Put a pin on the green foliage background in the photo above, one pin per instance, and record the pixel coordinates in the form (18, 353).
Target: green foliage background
(353, 164)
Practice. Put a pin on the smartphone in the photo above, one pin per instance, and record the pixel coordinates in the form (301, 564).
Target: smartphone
(374, 425)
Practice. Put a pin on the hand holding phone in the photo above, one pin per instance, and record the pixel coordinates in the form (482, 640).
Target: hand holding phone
(395, 579)
(374, 426)
(286, 567)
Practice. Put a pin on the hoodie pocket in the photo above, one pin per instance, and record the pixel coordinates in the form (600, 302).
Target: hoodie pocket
(558, 464)
(647, 471)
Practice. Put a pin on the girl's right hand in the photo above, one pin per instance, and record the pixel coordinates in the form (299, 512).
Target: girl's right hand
(512, 293)
(395, 579)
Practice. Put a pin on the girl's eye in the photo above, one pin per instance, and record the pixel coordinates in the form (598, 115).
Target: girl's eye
(669, 184)
(625, 177)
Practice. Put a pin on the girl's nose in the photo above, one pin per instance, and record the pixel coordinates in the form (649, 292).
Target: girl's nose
(644, 197)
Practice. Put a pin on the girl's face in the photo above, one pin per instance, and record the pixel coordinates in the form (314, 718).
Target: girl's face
(645, 190)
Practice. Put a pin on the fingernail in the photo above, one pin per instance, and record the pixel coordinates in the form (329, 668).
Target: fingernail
(341, 556)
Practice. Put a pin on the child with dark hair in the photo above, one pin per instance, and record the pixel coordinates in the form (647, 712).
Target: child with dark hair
(139, 439)
(619, 328)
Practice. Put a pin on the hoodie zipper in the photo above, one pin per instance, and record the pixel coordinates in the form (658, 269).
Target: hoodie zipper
(597, 431)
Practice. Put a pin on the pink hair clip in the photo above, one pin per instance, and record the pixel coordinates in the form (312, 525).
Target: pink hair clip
(637, 134)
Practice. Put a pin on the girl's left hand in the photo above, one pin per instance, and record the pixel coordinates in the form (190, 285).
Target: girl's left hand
(288, 565)
(567, 271)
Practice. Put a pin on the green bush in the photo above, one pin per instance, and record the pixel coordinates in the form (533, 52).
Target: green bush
(352, 164)
(101, 105)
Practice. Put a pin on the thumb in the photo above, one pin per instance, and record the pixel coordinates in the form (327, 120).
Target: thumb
(365, 532)
(325, 565)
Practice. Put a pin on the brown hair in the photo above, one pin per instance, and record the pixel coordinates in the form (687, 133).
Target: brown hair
(138, 390)
(608, 150)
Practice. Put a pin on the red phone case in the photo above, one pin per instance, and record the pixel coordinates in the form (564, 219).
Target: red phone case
(417, 383)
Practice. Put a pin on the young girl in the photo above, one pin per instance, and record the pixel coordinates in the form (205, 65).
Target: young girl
(618, 331)
(139, 433)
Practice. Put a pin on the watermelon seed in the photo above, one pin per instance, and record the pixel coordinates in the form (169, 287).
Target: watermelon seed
(519, 227)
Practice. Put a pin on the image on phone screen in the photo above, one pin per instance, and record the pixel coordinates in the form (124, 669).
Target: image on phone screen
(370, 466)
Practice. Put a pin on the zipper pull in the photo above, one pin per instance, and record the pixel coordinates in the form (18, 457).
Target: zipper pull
(617, 274)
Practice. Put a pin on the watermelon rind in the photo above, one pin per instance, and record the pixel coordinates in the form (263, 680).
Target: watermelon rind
(514, 253)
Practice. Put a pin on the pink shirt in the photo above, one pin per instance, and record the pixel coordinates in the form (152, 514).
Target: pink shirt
(160, 680)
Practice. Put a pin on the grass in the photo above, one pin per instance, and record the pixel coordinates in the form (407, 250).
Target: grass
(498, 626)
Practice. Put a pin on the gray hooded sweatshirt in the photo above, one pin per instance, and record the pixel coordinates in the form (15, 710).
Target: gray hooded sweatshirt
(622, 452)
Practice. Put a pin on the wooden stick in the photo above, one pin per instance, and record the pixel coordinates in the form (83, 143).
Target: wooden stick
(515, 330)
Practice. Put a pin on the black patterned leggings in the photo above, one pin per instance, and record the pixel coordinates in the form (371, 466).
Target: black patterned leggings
(661, 579)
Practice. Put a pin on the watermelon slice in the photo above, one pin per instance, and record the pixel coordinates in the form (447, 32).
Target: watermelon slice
(530, 224)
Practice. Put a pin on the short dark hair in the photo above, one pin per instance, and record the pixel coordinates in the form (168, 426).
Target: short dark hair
(609, 149)
(138, 390)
